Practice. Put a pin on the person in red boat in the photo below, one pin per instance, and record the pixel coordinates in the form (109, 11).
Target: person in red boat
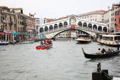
(46, 43)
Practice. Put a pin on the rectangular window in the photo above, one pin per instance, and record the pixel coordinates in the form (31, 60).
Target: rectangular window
(119, 20)
(117, 13)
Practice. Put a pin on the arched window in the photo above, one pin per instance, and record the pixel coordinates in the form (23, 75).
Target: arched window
(90, 25)
(65, 24)
(60, 25)
(51, 27)
(55, 26)
(46, 28)
(41, 30)
(105, 29)
(80, 24)
(85, 24)
(94, 27)
(99, 28)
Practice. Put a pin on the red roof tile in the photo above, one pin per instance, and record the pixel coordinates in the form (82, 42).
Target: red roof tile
(4, 6)
(98, 11)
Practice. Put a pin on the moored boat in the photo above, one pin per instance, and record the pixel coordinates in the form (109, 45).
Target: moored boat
(102, 55)
(27, 42)
(83, 39)
(4, 43)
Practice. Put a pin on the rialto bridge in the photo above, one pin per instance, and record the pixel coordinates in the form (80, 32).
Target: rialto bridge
(71, 27)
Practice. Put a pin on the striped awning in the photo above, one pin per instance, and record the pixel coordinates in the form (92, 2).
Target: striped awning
(2, 33)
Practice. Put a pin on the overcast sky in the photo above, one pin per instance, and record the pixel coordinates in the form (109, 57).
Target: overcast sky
(58, 8)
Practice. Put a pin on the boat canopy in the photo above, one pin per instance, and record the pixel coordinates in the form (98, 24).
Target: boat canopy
(110, 35)
(83, 35)
(117, 32)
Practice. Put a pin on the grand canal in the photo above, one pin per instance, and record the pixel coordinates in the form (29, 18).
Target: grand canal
(65, 61)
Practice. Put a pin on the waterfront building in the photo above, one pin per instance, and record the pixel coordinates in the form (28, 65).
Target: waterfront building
(13, 21)
(117, 18)
(96, 16)
(109, 17)
(7, 23)
(7, 20)
(37, 23)
(31, 25)
(20, 19)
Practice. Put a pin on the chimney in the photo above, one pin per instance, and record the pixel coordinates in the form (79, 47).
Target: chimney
(108, 8)
(29, 14)
(112, 6)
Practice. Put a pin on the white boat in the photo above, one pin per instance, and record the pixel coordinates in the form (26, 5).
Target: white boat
(109, 39)
(83, 39)
(116, 78)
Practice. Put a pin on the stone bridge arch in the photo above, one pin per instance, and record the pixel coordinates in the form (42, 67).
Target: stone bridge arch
(82, 24)
(82, 31)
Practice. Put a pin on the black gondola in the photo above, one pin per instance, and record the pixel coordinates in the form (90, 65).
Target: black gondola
(96, 55)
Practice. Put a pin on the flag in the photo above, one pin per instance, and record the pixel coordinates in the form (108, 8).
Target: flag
(73, 27)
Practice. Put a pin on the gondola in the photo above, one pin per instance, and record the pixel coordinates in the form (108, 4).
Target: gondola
(96, 55)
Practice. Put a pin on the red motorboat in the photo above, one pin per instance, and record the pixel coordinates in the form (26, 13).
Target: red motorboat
(48, 44)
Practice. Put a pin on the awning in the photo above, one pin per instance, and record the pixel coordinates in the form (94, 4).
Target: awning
(16, 33)
(116, 32)
(2, 33)
(27, 34)
(8, 34)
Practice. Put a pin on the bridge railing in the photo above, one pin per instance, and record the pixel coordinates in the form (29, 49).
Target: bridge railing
(55, 30)
(92, 30)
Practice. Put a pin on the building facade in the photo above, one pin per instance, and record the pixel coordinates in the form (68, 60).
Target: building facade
(117, 20)
(20, 19)
(7, 20)
(96, 16)
(13, 22)
(109, 17)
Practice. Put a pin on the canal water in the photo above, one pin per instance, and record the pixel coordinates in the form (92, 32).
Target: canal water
(64, 61)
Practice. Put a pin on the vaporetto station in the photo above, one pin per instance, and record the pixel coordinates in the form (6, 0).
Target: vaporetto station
(62, 28)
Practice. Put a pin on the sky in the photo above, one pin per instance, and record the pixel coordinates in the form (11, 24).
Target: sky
(58, 8)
